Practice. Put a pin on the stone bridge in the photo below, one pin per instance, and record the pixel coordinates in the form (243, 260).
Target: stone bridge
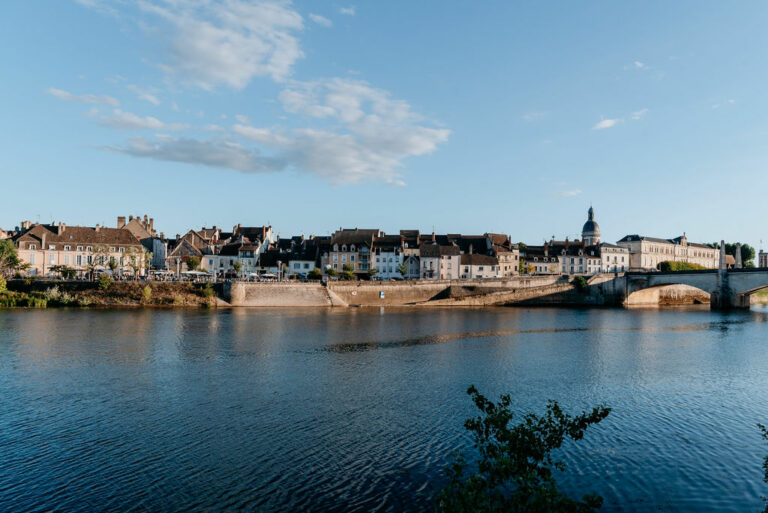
(726, 288)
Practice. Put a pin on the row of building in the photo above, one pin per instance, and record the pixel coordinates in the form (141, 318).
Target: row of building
(134, 246)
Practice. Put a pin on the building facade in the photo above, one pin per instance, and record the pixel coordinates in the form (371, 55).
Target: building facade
(646, 253)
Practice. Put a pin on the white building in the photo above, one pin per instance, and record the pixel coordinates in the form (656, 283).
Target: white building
(646, 253)
(439, 262)
(474, 265)
(613, 258)
(388, 256)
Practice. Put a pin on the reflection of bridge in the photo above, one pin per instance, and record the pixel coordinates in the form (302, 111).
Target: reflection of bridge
(726, 288)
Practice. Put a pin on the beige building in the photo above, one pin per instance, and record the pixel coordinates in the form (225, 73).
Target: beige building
(84, 249)
(646, 253)
(352, 247)
(479, 266)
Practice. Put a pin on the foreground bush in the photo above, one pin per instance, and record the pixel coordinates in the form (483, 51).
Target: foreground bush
(104, 281)
(679, 266)
(515, 469)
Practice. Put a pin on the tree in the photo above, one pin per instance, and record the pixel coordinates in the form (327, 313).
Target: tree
(135, 258)
(104, 281)
(112, 264)
(66, 272)
(372, 272)
(315, 274)
(764, 431)
(333, 273)
(580, 283)
(193, 263)
(747, 252)
(97, 258)
(515, 467)
(237, 266)
(348, 272)
(402, 269)
(9, 259)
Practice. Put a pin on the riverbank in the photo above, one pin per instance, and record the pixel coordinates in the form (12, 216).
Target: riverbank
(44, 294)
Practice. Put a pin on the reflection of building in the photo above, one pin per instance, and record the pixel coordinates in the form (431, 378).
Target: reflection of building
(762, 259)
(646, 253)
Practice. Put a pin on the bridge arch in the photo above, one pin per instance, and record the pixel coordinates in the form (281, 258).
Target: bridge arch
(670, 294)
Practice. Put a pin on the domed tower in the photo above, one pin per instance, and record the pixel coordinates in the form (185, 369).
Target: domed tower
(590, 234)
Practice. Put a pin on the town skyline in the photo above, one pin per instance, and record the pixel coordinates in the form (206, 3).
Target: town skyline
(309, 117)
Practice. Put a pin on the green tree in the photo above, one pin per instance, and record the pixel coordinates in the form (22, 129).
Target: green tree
(402, 269)
(3, 284)
(146, 294)
(193, 263)
(372, 272)
(333, 273)
(66, 272)
(315, 274)
(104, 281)
(237, 266)
(9, 259)
(112, 264)
(515, 466)
(135, 258)
(669, 265)
(348, 272)
(747, 252)
(580, 283)
(764, 432)
(98, 258)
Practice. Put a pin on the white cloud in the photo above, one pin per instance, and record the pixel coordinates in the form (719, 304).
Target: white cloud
(321, 20)
(129, 121)
(569, 193)
(534, 116)
(371, 136)
(216, 153)
(349, 11)
(84, 98)
(231, 42)
(639, 64)
(605, 123)
(213, 128)
(144, 94)
(638, 114)
(241, 119)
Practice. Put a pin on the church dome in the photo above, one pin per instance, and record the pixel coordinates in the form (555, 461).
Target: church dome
(591, 231)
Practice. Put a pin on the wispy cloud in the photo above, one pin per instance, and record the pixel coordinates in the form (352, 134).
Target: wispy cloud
(143, 94)
(569, 193)
(216, 153)
(321, 20)
(129, 121)
(83, 98)
(606, 123)
(349, 11)
(241, 118)
(211, 44)
(638, 114)
(534, 116)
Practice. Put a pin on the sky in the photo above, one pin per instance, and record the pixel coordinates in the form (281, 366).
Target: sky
(460, 117)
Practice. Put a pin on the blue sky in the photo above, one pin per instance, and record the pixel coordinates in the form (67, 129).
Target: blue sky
(510, 117)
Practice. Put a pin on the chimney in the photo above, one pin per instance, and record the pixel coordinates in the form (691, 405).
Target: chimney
(567, 243)
(583, 244)
(146, 219)
(97, 228)
(152, 225)
(130, 218)
(178, 236)
(546, 249)
(470, 249)
(120, 221)
(60, 229)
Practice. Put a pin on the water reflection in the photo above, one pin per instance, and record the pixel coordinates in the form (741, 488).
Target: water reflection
(361, 409)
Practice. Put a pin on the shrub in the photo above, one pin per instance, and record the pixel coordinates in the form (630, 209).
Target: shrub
(146, 293)
(104, 281)
(3, 284)
(178, 299)
(208, 291)
(315, 274)
(679, 266)
(580, 283)
(515, 471)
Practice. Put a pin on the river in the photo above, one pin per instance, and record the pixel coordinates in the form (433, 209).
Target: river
(362, 409)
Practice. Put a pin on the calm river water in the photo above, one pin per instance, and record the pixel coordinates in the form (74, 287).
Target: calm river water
(362, 409)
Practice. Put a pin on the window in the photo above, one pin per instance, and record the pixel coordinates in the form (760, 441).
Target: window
(79, 248)
(335, 257)
(67, 248)
(296, 265)
(112, 250)
(32, 258)
(89, 248)
(122, 250)
(480, 268)
(335, 266)
(32, 246)
(79, 259)
(344, 247)
(51, 259)
(351, 258)
(352, 247)
(51, 247)
(335, 247)
(66, 259)
(343, 258)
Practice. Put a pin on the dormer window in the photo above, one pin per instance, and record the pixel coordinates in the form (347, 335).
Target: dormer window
(89, 248)
(33, 246)
(335, 247)
(343, 247)
(352, 247)
(79, 248)
(51, 247)
(67, 248)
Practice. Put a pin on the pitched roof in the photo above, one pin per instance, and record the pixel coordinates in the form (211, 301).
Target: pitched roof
(388, 242)
(476, 259)
(355, 236)
(437, 250)
(62, 234)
